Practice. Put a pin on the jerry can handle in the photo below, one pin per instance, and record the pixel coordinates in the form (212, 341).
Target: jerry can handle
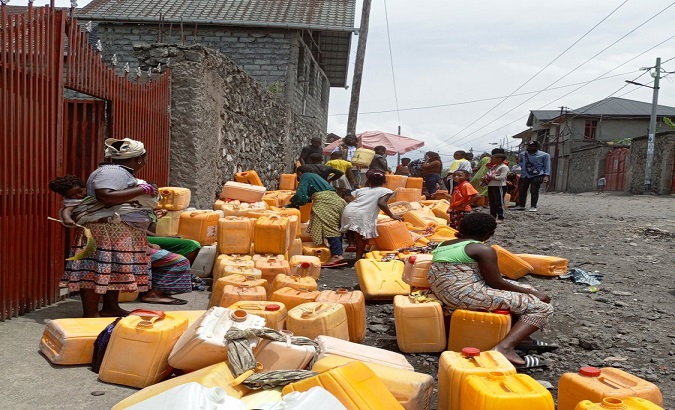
(149, 317)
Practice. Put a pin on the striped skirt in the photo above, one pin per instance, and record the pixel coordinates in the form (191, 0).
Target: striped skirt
(460, 286)
(120, 263)
(324, 221)
(170, 272)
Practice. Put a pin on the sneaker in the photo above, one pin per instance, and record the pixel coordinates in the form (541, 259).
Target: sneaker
(532, 209)
(518, 208)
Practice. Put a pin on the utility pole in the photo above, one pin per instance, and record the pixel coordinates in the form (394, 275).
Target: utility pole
(554, 163)
(652, 129)
(358, 69)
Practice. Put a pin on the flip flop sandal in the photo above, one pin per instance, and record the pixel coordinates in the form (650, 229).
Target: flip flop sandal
(538, 345)
(334, 264)
(531, 362)
(174, 301)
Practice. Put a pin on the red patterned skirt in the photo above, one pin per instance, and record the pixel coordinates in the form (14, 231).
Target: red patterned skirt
(121, 261)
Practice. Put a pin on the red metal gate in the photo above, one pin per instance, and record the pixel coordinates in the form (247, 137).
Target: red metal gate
(615, 169)
(38, 143)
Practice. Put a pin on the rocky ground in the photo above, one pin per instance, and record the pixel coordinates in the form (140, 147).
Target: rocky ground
(629, 323)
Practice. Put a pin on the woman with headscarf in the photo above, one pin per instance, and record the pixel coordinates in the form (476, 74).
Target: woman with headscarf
(327, 206)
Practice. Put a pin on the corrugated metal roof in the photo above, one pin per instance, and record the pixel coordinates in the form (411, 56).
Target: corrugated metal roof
(334, 15)
(615, 106)
(541, 116)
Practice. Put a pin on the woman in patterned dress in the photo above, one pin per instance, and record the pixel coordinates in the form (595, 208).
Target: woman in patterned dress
(465, 275)
(327, 206)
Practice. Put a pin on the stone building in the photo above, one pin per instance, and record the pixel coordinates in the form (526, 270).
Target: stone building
(580, 140)
(663, 165)
(297, 49)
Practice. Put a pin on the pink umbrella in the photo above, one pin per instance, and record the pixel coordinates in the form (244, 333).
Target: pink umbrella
(395, 144)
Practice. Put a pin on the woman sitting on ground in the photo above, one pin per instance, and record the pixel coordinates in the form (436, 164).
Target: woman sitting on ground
(464, 275)
(360, 215)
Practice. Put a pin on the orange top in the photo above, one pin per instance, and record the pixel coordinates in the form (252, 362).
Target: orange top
(461, 196)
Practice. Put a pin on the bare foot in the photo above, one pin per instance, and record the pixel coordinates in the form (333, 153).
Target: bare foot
(336, 259)
(510, 355)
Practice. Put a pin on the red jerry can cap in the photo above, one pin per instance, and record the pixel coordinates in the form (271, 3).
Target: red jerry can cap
(589, 371)
(412, 259)
(272, 307)
(470, 352)
(502, 311)
(305, 265)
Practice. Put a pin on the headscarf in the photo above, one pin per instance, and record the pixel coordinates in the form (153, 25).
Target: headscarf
(129, 148)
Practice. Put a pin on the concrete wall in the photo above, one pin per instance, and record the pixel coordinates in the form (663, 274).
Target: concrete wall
(585, 167)
(268, 55)
(224, 121)
(662, 167)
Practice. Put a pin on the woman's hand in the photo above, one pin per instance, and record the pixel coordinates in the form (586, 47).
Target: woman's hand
(154, 246)
(160, 213)
(540, 295)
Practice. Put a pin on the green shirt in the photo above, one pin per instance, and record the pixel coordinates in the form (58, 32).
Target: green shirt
(453, 253)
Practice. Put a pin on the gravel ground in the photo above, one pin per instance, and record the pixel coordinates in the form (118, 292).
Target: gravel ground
(629, 323)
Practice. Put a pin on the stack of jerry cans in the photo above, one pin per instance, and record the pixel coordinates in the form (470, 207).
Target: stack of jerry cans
(354, 384)
(412, 390)
(313, 319)
(594, 384)
(235, 234)
(454, 367)
(71, 341)
(272, 234)
(139, 348)
(204, 344)
(355, 305)
(381, 280)
(420, 327)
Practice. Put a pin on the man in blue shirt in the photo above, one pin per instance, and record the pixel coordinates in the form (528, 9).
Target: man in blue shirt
(535, 170)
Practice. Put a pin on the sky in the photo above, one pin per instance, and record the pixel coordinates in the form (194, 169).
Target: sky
(447, 55)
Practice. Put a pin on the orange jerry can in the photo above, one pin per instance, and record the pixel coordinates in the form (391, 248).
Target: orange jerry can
(217, 375)
(295, 249)
(234, 234)
(624, 403)
(174, 198)
(248, 177)
(243, 261)
(393, 235)
(422, 219)
(288, 182)
(419, 326)
(442, 234)
(594, 384)
(510, 265)
(381, 280)
(233, 294)
(545, 265)
(482, 330)
(498, 391)
(168, 224)
(412, 390)
(313, 319)
(354, 384)
(320, 251)
(272, 235)
(234, 280)
(440, 209)
(415, 182)
(201, 226)
(331, 346)
(139, 348)
(242, 192)
(271, 267)
(395, 181)
(305, 212)
(415, 270)
(291, 212)
(355, 305)
(408, 194)
(239, 270)
(303, 265)
(71, 341)
(274, 313)
(294, 297)
(454, 367)
(304, 234)
(292, 281)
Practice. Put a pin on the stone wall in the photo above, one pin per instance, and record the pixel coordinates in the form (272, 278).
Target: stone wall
(662, 167)
(224, 121)
(585, 167)
(271, 56)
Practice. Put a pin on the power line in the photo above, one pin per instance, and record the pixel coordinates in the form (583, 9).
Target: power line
(391, 60)
(576, 68)
(426, 107)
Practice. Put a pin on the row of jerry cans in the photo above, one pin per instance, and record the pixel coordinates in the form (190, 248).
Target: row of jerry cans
(266, 267)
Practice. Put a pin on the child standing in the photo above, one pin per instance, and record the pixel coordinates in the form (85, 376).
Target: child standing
(496, 184)
(344, 184)
(602, 183)
(463, 196)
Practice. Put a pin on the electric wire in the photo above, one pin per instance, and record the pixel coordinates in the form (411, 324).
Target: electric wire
(391, 60)
(576, 68)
